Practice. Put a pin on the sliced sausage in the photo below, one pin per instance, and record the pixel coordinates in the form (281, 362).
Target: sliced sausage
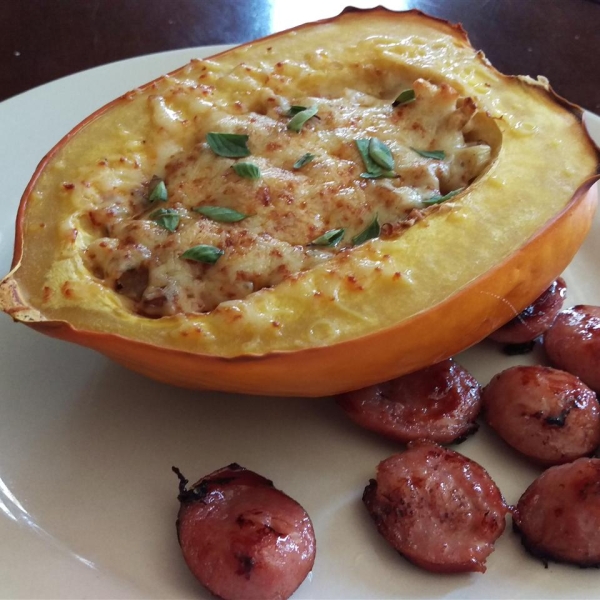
(573, 343)
(439, 509)
(439, 403)
(242, 538)
(548, 415)
(558, 516)
(535, 319)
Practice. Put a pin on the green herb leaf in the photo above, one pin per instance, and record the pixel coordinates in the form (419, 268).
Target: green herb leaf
(166, 217)
(246, 170)
(220, 213)
(379, 175)
(158, 192)
(374, 171)
(203, 253)
(436, 154)
(330, 238)
(381, 154)
(297, 121)
(303, 160)
(294, 110)
(405, 97)
(371, 231)
(229, 145)
(439, 199)
(363, 148)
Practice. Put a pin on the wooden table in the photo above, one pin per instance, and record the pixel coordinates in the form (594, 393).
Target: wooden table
(41, 40)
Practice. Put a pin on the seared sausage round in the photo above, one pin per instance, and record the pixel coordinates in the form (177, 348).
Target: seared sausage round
(535, 319)
(439, 403)
(548, 415)
(242, 538)
(573, 343)
(558, 516)
(439, 509)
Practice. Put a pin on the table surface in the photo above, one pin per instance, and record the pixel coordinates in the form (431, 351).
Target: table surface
(42, 40)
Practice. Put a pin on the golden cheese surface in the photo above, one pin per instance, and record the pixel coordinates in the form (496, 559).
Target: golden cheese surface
(287, 211)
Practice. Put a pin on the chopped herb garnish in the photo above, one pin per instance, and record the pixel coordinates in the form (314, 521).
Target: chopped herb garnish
(158, 192)
(220, 213)
(297, 121)
(247, 170)
(371, 231)
(363, 148)
(329, 238)
(374, 170)
(436, 154)
(379, 175)
(439, 199)
(166, 217)
(229, 145)
(381, 154)
(405, 97)
(303, 160)
(294, 110)
(203, 253)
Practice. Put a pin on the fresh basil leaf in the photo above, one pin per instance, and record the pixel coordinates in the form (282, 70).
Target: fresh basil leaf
(158, 192)
(439, 199)
(436, 154)
(329, 238)
(304, 160)
(405, 97)
(381, 154)
(220, 213)
(166, 217)
(229, 145)
(294, 110)
(297, 121)
(246, 170)
(203, 253)
(371, 231)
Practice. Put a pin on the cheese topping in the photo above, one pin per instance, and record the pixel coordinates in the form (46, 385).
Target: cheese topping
(131, 248)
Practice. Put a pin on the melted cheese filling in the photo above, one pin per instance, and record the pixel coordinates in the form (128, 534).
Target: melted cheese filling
(286, 208)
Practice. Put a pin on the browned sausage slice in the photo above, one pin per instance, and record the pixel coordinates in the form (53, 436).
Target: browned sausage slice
(573, 343)
(242, 538)
(439, 403)
(439, 509)
(548, 415)
(558, 516)
(535, 319)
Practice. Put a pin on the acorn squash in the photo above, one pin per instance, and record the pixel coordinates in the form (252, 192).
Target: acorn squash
(399, 296)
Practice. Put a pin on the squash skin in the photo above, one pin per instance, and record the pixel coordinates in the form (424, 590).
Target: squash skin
(460, 320)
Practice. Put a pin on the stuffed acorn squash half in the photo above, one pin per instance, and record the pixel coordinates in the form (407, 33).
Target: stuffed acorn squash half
(307, 214)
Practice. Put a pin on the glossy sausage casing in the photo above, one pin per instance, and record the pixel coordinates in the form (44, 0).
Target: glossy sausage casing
(242, 538)
(548, 415)
(573, 343)
(439, 509)
(438, 403)
(558, 516)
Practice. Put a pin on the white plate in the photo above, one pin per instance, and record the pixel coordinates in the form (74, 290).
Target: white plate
(87, 496)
